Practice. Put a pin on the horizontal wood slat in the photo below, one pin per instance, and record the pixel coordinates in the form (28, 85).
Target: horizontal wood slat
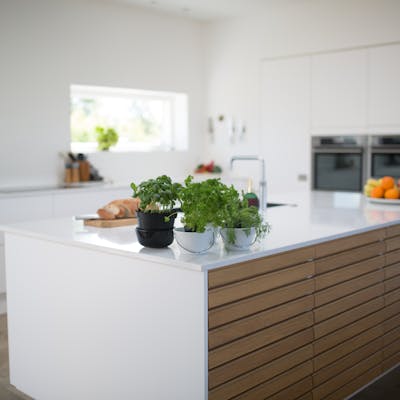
(390, 362)
(391, 323)
(261, 374)
(392, 270)
(355, 384)
(351, 256)
(391, 349)
(392, 284)
(393, 230)
(278, 383)
(346, 288)
(244, 364)
(393, 243)
(349, 331)
(248, 325)
(346, 376)
(259, 339)
(250, 287)
(393, 257)
(392, 297)
(391, 310)
(346, 362)
(345, 303)
(348, 317)
(349, 242)
(249, 269)
(391, 336)
(325, 359)
(294, 391)
(350, 272)
(234, 311)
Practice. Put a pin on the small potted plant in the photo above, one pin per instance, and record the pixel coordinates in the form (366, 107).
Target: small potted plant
(202, 205)
(156, 214)
(106, 137)
(242, 225)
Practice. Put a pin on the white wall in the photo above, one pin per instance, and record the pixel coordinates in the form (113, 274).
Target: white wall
(235, 49)
(46, 45)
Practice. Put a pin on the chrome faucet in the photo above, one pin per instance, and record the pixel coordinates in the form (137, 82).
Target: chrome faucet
(263, 181)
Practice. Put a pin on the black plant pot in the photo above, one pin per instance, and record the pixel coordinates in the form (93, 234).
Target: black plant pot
(155, 221)
(154, 238)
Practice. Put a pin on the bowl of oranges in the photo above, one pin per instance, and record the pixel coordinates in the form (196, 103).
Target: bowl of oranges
(383, 190)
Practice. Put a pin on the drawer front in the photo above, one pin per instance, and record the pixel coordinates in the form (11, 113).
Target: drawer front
(392, 284)
(392, 270)
(393, 243)
(392, 257)
(393, 230)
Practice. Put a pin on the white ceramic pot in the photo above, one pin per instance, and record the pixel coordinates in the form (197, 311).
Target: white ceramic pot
(195, 242)
(244, 238)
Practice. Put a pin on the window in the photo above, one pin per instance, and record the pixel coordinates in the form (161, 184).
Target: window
(144, 120)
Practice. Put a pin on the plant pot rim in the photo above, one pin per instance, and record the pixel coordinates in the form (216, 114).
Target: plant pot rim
(180, 233)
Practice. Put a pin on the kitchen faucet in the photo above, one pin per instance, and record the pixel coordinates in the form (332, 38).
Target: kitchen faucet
(263, 181)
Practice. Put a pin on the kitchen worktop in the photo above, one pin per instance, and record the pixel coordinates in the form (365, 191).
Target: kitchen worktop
(309, 218)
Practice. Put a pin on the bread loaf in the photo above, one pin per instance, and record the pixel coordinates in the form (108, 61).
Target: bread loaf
(123, 208)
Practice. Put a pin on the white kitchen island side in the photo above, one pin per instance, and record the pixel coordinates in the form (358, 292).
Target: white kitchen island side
(311, 312)
(88, 325)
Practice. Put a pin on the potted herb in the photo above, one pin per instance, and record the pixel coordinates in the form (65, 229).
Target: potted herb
(202, 206)
(156, 214)
(106, 137)
(242, 225)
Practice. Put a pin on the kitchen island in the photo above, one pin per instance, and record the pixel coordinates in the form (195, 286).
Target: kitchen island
(311, 312)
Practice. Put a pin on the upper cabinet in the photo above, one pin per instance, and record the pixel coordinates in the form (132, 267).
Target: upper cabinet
(339, 92)
(384, 89)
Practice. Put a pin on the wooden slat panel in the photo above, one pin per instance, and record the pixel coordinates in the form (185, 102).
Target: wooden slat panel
(345, 348)
(350, 272)
(391, 284)
(346, 362)
(391, 362)
(393, 243)
(343, 334)
(250, 287)
(231, 312)
(248, 269)
(261, 374)
(259, 339)
(391, 323)
(347, 317)
(392, 297)
(355, 384)
(393, 230)
(393, 257)
(349, 257)
(391, 349)
(349, 242)
(248, 325)
(391, 336)
(346, 288)
(279, 383)
(346, 376)
(391, 310)
(392, 270)
(244, 364)
(345, 303)
(294, 391)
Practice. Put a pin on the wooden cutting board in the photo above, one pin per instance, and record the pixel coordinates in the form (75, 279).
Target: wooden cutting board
(110, 223)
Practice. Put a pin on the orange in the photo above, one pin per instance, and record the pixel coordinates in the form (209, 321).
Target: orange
(387, 182)
(377, 192)
(392, 193)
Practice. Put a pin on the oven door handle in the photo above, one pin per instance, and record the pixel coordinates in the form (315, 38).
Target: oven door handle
(385, 151)
(338, 151)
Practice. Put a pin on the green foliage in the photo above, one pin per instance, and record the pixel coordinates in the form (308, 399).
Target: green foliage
(239, 215)
(204, 203)
(106, 137)
(157, 195)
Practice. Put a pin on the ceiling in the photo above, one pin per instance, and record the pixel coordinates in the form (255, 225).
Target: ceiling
(207, 10)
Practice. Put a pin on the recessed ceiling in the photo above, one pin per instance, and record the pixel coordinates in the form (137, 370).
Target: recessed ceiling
(207, 10)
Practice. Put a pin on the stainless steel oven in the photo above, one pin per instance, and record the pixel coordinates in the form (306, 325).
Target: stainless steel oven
(385, 156)
(339, 162)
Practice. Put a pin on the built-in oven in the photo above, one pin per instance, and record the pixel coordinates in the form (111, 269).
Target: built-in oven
(385, 156)
(339, 162)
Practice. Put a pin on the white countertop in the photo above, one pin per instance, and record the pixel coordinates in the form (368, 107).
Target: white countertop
(317, 217)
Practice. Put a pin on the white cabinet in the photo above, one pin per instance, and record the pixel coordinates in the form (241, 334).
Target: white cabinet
(285, 110)
(339, 92)
(384, 93)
